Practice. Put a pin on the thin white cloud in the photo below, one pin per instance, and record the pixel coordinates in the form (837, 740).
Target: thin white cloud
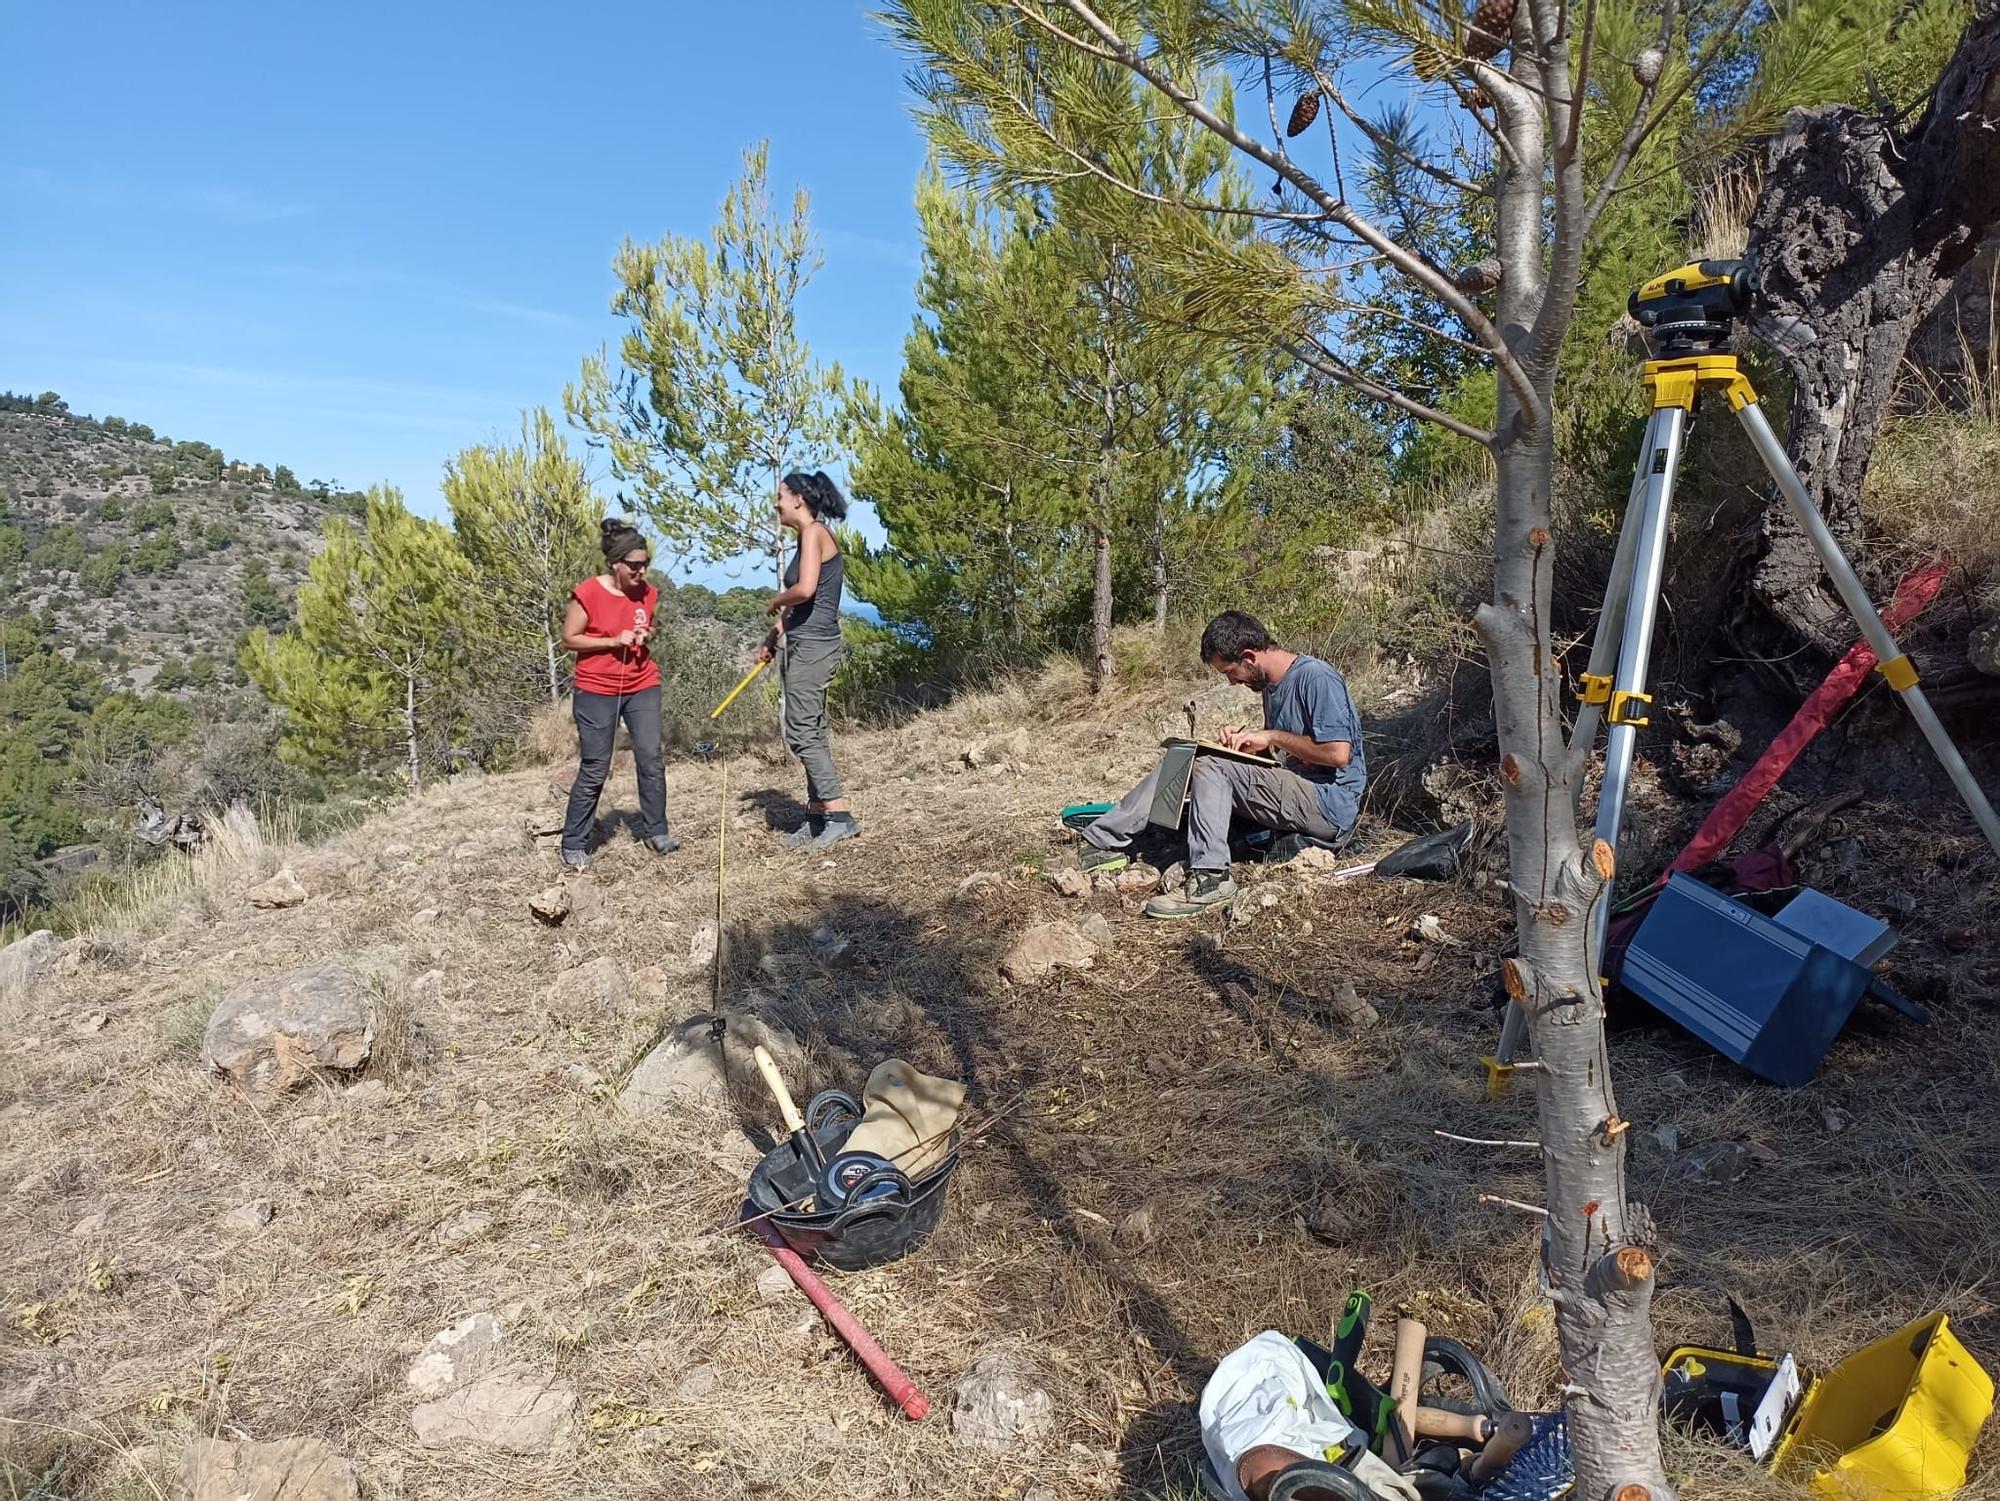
(232, 205)
(431, 289)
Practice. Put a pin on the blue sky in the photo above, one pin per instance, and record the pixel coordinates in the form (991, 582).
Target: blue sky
(354, 239)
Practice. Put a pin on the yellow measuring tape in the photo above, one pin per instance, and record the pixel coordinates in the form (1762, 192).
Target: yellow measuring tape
(748, 678)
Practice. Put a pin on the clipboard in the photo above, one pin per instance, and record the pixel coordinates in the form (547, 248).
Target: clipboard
(1177, 774)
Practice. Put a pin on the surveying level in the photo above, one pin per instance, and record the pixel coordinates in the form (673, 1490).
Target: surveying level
(1689, 314)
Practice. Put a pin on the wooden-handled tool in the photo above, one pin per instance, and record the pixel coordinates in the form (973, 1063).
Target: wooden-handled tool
(1406, 1377)
(794, 1122)
(1511, 1430)
(748, 678)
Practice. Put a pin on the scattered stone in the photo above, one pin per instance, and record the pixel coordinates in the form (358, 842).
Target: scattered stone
(999, 1405)
(1096, 930)
(1070, 882)
(826, 1435)
(326, 870)
(698, 1383)
(649, 983)
(827, 945)
(582, 1075)
(91, 1025)
(1714, 1164)
(1247, 906)
(978, 881)
(1351, 1010)
(551, 906)
(369, 1094)
(429, 980)
(273, 1032)
(774, 1285)
(594, 988)
(1138, 879)
(1836, 1120)
(90, 1225)
(282, 890)
(1044, 947)
(453, 1356)
(248, 1218)
(289, 1469)
(423, 917)
(465, 1227)
(29, 958)
(691, 1069)
(702, 947)
(1982, 648)
(471, 849)
(397, 852)
(1174, 877)
(1428, 928)
(1668, 1138)
(516, 1408)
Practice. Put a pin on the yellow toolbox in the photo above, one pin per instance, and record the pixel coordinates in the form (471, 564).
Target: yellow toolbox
(1894, 1421)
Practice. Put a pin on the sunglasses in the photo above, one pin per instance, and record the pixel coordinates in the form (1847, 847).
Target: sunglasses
(637, 567)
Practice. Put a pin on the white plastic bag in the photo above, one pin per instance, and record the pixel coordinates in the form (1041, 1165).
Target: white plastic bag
(1265, 1391)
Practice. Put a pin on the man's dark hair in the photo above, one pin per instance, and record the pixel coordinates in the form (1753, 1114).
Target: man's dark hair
(1231, 634)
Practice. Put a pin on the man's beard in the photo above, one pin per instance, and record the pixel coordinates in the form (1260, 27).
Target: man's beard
(1260, 680)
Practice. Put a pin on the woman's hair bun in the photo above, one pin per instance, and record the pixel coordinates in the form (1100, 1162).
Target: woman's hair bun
(821, 495)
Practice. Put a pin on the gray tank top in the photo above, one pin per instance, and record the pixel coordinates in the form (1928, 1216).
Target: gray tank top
(820, 615)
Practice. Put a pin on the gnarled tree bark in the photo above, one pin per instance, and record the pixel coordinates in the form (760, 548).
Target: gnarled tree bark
(1858, 232)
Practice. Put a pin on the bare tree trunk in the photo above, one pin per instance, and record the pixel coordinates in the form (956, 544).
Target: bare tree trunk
(1101, 663)
(1857, 234)
(1594, 1254)
(555, 670)
(416, 768)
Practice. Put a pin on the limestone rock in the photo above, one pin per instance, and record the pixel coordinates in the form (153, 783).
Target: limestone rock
(595, 988)
(370, 1094)
(282, 890)
(551, 906)
(289, 1469)
(1982, 649)
(1000, 1406)
(698, 1383)
(689, 1069)
(327, 870)
(1247, 906)
(27, 959)
(272, 1032)
(515, 1408)
(91, 1025)
(465, 1227)
(702, 947)
(774, 1285)
(1138, 879)
(1096, 930)
(1070, 882)
(452, 1357)
(248, 1219)
(90, 1226)
(1174, 877)
(979, 881)
(1044, 947)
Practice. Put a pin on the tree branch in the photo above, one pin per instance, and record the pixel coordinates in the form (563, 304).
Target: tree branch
(1317, 356)
(1410, 264)
(1390, 144)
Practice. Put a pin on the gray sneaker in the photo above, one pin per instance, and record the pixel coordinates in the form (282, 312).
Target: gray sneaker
(1090, 859)
(839, 826)
(804, 834)
(664, 844)
(1202, 890)
(576, 859)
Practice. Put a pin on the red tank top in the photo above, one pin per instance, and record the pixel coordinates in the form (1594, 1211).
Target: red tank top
(609, 612)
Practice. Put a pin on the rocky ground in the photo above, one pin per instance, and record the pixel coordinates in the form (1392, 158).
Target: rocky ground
(399, 1166)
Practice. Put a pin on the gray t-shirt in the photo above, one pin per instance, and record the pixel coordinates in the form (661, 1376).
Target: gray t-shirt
(1311, 699)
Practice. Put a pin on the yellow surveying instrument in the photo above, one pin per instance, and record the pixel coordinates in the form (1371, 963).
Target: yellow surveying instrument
(1689, 315)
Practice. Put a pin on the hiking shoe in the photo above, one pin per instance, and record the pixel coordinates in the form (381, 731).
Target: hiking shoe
(804, 834)
(1202, 889)
(576, 859)
(1090, 859)
(663, 844)
(839, 826)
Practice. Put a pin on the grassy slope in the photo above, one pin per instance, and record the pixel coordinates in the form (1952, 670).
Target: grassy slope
(1190, 1074)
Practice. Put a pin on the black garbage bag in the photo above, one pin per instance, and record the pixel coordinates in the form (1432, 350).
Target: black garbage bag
(1429, 857)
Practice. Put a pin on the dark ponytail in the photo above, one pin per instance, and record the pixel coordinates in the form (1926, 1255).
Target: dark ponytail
(617, 536)
(821, 495)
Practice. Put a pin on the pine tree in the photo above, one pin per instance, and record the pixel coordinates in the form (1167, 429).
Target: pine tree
(382, 648)
(526, 520)
(715, 395)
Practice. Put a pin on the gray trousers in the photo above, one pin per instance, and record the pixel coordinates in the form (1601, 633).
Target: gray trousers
(806, 665)
(1220, 789)
(597, 716)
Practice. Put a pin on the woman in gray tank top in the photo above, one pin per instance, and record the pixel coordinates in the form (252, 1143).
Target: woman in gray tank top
(807, 643)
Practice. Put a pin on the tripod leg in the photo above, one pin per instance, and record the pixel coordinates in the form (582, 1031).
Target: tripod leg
(1659, 463)
(1624, 639)
(1611, 618)
(1894, 666)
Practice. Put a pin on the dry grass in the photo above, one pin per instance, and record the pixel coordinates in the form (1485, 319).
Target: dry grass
(1934, 482)
(1192, 1075)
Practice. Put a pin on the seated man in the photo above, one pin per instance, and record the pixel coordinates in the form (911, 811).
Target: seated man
(1309, 725)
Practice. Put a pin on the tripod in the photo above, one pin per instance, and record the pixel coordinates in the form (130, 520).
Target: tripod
(1613, 687)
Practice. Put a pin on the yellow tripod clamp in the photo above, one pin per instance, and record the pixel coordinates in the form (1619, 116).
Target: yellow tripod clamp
(1622, 706)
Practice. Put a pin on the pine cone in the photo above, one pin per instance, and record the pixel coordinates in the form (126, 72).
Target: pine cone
(1303, 114)
(1476, 97)
(1648, 66)
(1492, 25)
(1480, 276)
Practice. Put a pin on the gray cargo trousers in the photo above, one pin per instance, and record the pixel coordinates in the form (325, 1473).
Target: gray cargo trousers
(1220, 789)
(806, 665)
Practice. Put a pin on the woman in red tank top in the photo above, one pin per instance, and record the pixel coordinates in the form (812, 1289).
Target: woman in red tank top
(609, 625)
